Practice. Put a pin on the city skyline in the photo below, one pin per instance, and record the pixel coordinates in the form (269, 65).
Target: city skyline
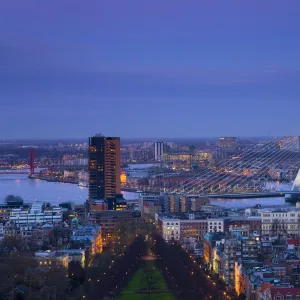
(149, 69)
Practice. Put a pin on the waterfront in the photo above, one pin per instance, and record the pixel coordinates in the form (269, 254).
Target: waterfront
(249, 202)
(39, 190)
(54, 192)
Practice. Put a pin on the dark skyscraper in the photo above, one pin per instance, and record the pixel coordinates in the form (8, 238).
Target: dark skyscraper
(104, 167)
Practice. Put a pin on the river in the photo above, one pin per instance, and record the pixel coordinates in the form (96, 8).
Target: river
(249, 202)
(39, 190)
(54, 192)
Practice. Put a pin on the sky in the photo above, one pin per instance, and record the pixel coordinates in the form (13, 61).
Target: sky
(140, 68)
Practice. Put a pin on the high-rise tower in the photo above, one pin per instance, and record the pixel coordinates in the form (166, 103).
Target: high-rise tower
(104, 167)
(159, 149)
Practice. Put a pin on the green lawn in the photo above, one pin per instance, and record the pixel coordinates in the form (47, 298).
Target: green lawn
(158, 296)
(139, 281)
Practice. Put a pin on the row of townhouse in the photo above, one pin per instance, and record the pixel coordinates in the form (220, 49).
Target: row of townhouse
(280, 221)
(179, 226)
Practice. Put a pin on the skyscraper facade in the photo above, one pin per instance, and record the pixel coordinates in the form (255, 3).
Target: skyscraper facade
(104, 167)
(159, 149)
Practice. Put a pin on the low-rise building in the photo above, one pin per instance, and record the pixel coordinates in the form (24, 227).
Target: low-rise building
(108, 220)
(190, 203)
(285, 293)
(188, 225)
(280, 222)
(148, 198)
(37, 214)
(90, 236)
(239, 230)
(77, 255)
(254, 223)
(169, 227)
(215, 225)
(48, 258)
(212, 240)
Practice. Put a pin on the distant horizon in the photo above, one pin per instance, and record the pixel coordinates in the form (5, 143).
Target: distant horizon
(144, 138)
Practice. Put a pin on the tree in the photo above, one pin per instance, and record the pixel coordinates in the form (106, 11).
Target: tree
(76, 274)
(182, 274)
(13, 198)
(11, 243)
(116, 276)
(56, 281)
(14, 270)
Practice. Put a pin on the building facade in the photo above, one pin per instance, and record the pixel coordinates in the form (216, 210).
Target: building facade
(104, 167)
(108, 220)
(280, 222)
(159, 150)
(37, 214)
(215, 225)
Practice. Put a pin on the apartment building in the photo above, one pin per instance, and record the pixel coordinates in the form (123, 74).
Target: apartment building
(280, 222)
(48, 258)
(90, 236)
(190, 225)
(109, 219)
(169, 227)
(215, 225)
(37, 214)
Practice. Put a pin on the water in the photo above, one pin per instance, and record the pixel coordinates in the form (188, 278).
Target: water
(55, 193)
(249, 202)
(39, 190)
(140, 166)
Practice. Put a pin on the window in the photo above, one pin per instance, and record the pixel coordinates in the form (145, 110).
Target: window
(289, 297)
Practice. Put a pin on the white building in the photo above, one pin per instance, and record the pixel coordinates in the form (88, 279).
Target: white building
(280, 222)
(159, 148)
(37, 215)
(215, 225)
(170, 229)
(48, 257)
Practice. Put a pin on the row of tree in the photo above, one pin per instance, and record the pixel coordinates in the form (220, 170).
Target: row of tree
(183, 275)
(22, 278)
(108, 284)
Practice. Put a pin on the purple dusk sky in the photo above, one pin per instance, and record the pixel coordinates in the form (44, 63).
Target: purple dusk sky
(139, 68)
